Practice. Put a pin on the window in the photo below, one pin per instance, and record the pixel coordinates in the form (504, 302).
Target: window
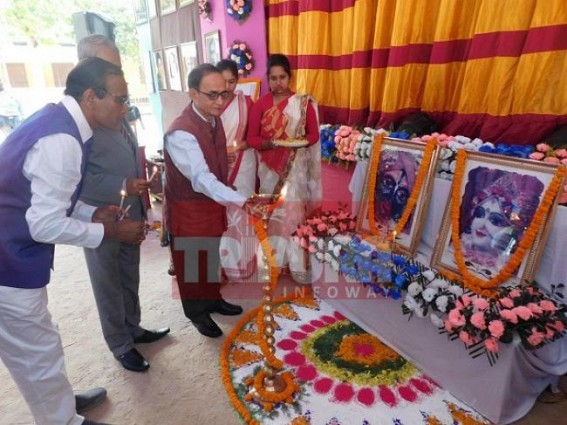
(17, 74)
(60, 72)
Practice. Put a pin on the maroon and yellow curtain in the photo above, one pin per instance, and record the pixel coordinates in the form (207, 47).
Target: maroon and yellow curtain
(495, 69)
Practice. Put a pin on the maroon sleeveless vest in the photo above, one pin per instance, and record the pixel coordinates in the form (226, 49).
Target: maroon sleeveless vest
(187, 212)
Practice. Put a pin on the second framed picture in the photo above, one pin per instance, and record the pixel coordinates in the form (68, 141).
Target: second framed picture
(212, 47)
(173, 73)
(189, 60)
(491, 214)
(396, 191)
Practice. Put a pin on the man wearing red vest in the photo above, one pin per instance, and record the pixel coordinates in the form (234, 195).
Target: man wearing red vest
(197, 194)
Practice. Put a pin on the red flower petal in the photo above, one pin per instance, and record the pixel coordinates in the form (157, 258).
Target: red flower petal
(421, 385)
(297, 335)
(323, 385)
(307, 328)
(366, 396)
(329, 319)
(344, 392)
(407, 393)
(339, 316)
(294, 359)
(287, 344)
(317, 323)
(306, 373)
(387, 396)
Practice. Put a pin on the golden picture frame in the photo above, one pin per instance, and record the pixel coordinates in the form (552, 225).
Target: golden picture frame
(498, 199)
(394, 179)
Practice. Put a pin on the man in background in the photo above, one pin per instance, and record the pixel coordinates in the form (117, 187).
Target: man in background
(114, 168)
(41, 165)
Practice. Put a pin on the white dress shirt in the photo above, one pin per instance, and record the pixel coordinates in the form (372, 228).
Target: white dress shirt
(186, 154)
(53, 166)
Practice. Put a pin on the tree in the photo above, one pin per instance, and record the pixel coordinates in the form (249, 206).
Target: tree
(45, 22)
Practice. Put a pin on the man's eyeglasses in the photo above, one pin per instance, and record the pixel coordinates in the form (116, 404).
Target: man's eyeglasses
(496, 219)
(101, 92)
(214, 95)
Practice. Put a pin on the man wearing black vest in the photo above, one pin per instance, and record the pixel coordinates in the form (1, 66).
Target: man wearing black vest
(41, 166)
(196, 194)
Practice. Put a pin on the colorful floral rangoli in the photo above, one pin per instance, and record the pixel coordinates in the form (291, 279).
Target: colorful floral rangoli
(347, 376)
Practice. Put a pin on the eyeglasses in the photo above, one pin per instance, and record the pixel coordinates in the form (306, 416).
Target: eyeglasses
(496, 219)
(214, 95)
(120, 99)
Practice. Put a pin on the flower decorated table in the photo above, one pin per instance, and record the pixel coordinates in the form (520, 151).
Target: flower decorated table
(503, 392)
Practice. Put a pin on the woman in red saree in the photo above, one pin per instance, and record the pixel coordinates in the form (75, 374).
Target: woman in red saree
(238, 243)
(295, 172)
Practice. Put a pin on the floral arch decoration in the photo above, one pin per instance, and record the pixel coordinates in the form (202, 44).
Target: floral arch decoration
(239, 9)
(240, 53)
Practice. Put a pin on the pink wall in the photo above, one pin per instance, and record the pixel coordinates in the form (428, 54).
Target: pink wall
(252, 32)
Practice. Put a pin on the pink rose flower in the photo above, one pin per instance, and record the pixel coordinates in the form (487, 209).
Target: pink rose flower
(466, 338)
(552, 160)
(536, 338)
(456, 318)
(537, 156)
(514, 293)
(549, 332)
(506, 302)
(426, 138)
(448, 326)
(559, 326)
(523, 312)
(509, 316)
(322, 227)
(543, 147)
(534, 308)
(478, 321)
(564, 161)
(312, 249)
(466, 300)
(547, 305)
(491, 345)
(480, 303)
(561, 153)
(496, 328)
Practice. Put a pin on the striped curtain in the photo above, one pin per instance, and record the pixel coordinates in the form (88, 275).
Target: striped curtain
(495, 69)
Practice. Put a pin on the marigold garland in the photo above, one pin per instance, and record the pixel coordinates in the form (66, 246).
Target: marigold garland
(374, 163)
(415, 193)
(225, 368)
(487, 287)
(262, 234)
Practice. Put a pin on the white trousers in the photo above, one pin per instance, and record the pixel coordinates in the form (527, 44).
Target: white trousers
(31, 349)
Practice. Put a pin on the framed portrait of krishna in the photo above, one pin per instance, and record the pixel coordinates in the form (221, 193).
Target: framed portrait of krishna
(396, 192)
(497, 219)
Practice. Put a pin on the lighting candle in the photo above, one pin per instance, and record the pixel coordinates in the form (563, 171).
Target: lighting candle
(122, 196)
(154, 172)
(123, 215)
(394, 233)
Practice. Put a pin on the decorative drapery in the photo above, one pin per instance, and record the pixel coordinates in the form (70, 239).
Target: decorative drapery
(482, 68)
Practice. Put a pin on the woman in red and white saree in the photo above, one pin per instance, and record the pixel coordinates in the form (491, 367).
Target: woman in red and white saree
(238, 243)
(295, 172)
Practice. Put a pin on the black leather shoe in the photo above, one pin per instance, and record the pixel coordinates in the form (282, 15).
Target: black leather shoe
(89, 399)
(206, 326)
(151, 336)
(134, 361)
(226, 308)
